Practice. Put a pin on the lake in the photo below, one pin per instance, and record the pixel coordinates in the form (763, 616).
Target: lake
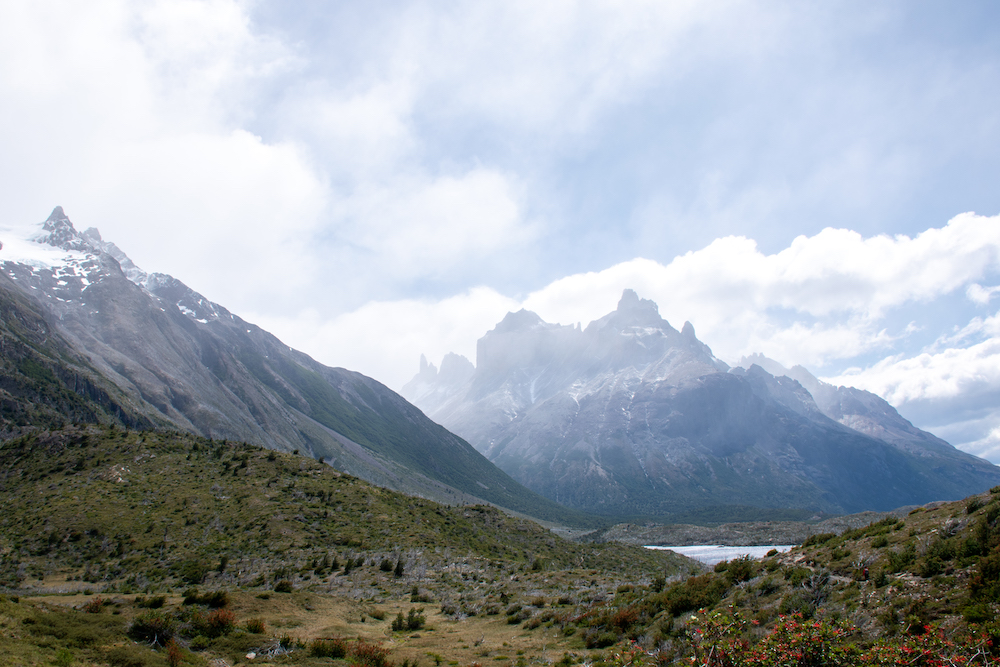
(710, 554)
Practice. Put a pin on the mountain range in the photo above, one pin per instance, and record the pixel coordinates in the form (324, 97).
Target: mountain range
(87, 336)
(631, 417)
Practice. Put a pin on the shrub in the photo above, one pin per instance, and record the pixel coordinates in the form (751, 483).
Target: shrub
(193, 571)
(151, 603)
(797, 603)
(283, 586)
(978, 612)
(694, 593)
(174, 654)
(741, 569)
(899, 560)
(152, 627)
(328, 648)
(414, 620)
(369, 654)
(385, 565)
(94, 606)
(220, 622)
(215, 599)
(200, 643)
(595, 639)
(256, 626)
(819, 538)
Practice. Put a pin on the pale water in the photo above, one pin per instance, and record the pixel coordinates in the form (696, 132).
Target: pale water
(710, 554)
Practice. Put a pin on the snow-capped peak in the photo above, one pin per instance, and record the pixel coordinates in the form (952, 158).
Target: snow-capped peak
(62, 262)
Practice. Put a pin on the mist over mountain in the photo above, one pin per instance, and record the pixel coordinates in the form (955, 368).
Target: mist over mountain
(90, 337)
(631, 416)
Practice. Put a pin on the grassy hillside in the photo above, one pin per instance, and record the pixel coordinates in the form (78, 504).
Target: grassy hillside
(114, 541)
(140, 519)
(923, 589)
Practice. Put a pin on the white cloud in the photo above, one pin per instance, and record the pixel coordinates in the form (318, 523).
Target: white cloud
(987, 447)
(128, 114)
(952, 372)
(743, 301)
(822, 298)
(385, 339)
(979, 294)
(318, 172)
(419, 228)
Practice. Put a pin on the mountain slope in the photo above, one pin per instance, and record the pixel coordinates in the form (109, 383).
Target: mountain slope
(631, 416)
(173, 357)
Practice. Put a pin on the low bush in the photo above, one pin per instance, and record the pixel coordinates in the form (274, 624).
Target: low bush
(214, 599)
(152, 627)
(256, 626)
(220, 622)
(369, 654)
(328, 648)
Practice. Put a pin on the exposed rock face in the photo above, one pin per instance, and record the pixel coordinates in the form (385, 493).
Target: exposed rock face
(170, 357)
(631, 416)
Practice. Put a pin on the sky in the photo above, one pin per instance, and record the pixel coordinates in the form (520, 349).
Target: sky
(373, 181)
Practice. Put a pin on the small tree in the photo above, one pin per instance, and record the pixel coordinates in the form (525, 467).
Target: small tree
(398, 572)
(174, 654)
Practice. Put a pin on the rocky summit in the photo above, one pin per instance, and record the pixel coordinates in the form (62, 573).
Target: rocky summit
(630, 416)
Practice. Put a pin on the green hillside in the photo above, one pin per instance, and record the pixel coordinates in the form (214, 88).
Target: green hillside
(231, 549)
(143, 510)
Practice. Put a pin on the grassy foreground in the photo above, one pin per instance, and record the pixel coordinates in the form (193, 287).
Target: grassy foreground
(104, 529)
(163, 549)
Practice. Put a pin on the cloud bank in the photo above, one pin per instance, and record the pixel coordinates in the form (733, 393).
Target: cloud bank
(372, 181)
(825, 301)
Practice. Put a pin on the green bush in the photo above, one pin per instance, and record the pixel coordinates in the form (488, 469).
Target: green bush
(193, 571)
(819, 538)
(594, 639)
(219, 622)
(900, 560)
(256, 626)
(741, 569)
(150, 603)
(328, 648)
(152, 627)
(283, 586)
(200, 643)
(797, 602)
(694, 593)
